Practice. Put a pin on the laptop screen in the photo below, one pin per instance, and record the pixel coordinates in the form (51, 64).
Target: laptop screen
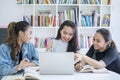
(56, 63)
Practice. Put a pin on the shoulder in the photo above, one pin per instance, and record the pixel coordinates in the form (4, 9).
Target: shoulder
(92, 47)
(50, 44)
(28, 45)
(112, 50)
(4, 49)
(5, 46)
(90, 51)
(56, 41)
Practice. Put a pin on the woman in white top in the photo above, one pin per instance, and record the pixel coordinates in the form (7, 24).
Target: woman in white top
(66, 40)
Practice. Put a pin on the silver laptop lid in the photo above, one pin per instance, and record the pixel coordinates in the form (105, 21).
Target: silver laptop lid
(56, 63)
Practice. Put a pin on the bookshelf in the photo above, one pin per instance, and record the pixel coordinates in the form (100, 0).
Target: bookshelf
(45, 16)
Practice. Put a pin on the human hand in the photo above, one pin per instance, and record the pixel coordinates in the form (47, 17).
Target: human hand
(78, 66)
(77, 57)
(24, 63)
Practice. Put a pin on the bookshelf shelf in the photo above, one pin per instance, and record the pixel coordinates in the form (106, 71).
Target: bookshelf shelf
(89, 15)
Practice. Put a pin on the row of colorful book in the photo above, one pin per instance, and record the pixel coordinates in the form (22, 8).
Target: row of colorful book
(68, 1)
(41, 42)
(106, 2)
(68, 15)
(36, 1)
(90, 1)
(84, 41)
(46, 21)
(90, 19)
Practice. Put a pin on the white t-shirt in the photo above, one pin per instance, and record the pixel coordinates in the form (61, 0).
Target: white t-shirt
(59, 46)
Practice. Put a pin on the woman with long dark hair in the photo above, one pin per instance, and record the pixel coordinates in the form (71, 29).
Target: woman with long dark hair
(67, 38)
(17, 52)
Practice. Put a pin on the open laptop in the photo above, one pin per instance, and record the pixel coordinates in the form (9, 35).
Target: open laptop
(56, 63)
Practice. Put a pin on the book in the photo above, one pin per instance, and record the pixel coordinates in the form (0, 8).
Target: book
(90, 69)
(31, 73)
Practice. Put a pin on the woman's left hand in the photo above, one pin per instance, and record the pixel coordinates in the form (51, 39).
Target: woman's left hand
(78, 66)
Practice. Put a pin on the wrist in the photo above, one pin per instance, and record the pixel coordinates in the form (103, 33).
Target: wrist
(83, 56)
(18, 68)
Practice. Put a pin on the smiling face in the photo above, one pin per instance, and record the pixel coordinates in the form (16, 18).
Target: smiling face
(66, 34)
(99, 42)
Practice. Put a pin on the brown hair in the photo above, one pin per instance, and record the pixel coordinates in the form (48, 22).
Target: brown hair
(13, 33)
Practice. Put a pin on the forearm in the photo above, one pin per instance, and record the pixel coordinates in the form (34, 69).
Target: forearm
(7, 70)
(83, 62)
(31, 64)
(96, 64)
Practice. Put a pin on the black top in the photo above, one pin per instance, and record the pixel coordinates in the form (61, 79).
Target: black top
(110, 56)
(20, 56)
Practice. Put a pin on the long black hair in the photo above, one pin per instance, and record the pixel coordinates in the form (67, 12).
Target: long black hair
(73, 43)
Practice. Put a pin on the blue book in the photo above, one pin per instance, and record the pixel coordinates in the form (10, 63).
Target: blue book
(88, 20)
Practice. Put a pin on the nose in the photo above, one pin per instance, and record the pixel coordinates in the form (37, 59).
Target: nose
(94, 42)
(67, 36)
(30, 37)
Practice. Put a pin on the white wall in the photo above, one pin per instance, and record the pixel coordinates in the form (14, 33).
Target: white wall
(9, 11)
(115, 22)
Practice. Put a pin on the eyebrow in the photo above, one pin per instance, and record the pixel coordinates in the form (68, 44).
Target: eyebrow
(67, 32)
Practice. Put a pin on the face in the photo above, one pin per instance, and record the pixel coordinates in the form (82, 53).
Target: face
(26, 36)
(66, 34)
(99, 42)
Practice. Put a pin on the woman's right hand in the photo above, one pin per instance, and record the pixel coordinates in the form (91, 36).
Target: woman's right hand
(22, 64)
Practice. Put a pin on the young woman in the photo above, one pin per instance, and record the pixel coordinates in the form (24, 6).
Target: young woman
(103, 53)
(66, 40)
(17, 52)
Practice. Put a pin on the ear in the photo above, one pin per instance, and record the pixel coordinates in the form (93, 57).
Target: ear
(108, 43)
(21, 33)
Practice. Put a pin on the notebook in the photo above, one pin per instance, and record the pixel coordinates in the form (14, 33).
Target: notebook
(56, 63)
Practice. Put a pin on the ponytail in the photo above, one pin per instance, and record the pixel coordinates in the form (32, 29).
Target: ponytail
(113, 44)
(12, 40)
(13, 33)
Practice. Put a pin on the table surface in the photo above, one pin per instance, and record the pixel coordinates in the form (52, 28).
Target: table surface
(76, 76)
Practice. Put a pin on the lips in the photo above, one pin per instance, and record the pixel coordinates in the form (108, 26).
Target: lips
(95, 46)
(66, 40)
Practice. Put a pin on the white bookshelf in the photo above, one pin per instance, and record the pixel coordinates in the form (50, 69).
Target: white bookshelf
(80, 8)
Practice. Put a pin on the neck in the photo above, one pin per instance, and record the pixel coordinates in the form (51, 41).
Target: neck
(20, 43)
(102, 50)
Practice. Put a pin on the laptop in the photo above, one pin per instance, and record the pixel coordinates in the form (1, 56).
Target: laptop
(56, 63)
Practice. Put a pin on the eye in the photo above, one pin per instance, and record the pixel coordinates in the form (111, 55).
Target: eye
(98, 41)
(70, 34)
(30, 32)
(64, 32)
